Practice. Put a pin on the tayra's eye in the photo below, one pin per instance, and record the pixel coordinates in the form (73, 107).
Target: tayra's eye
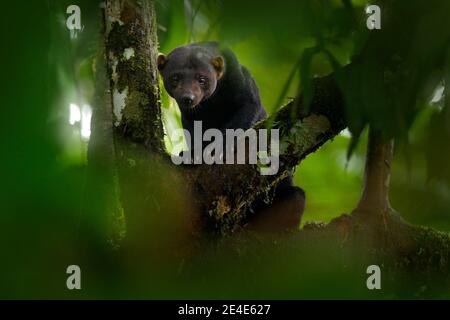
(202, 81)
(175, 79)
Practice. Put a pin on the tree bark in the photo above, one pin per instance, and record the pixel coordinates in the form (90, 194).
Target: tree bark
(131, 49)
(374, 209)
(102, 209)
(375, 193)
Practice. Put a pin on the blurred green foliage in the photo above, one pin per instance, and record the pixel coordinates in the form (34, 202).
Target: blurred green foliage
(283, 44)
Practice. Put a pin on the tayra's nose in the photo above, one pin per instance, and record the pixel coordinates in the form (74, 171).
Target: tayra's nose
(187, 100)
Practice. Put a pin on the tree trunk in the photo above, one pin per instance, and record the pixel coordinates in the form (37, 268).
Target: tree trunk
(130, 51)
(382, 226)
(102, 212)
(375, 194)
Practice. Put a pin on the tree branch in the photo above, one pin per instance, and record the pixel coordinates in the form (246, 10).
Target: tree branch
(225, 192)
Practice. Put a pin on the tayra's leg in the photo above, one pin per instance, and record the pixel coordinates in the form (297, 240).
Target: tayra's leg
(285, 212)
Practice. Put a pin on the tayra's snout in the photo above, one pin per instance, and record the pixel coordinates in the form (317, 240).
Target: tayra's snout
(187, 100)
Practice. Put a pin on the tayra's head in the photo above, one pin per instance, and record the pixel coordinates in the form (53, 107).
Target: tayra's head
(190, 74)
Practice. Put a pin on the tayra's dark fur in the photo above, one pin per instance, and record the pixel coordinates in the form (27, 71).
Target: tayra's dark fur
(210, 85)
(234, 104)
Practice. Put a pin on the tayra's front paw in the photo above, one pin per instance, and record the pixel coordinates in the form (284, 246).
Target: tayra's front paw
(283, 215)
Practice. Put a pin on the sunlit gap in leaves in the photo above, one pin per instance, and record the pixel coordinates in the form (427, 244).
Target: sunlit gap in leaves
(81, 118)
(438, 94)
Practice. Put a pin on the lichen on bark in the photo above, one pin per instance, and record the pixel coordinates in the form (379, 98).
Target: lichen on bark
(131, 28)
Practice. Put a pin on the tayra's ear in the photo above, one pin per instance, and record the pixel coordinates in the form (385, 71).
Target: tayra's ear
(219, 65)
(161, 61)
